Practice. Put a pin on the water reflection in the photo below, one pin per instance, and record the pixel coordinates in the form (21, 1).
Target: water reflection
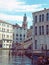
(5, 59)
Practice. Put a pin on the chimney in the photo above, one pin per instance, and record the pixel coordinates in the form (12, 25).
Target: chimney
(44, 8)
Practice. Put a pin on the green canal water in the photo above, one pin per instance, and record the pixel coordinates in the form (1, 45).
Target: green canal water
(5, 59)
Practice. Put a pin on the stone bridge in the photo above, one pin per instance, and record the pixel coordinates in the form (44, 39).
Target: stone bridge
(24, 46)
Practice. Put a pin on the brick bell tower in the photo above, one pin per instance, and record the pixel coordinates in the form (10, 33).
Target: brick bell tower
(24, 25)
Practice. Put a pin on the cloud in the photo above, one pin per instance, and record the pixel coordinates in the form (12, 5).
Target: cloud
(7, 6)
(29, 8)
(10, 17)
(10, 4)
(15, 19)
(18, 6)
(18, 18)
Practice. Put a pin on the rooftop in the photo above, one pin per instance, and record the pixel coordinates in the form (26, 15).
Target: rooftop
(1, 21)
(41, 11)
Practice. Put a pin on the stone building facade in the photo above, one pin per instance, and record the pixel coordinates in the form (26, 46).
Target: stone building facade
(20, 33)
(41, 29)
(6, 34)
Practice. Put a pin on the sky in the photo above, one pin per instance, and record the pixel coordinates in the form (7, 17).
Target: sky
(12, 11)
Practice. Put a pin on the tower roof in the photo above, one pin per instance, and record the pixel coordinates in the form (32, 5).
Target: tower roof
(24, 25)
(25, 17)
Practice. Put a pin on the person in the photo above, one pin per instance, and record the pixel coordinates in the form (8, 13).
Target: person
(48, 60)
(45, 60)
(40, 61)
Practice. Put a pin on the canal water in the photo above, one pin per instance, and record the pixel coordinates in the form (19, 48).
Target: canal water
(5, 59)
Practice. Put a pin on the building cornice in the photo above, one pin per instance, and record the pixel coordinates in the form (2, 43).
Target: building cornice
(40, 11)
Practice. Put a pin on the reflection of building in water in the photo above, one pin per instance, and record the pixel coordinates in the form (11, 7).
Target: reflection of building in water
(5, 57)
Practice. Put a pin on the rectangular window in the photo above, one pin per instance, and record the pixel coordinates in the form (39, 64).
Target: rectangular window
(7, 30)
(35, 19)
(3, 24)
(35, 30)
(16, 34)
(47, 17)
(3, 29)
(39, 18)
(3, 35)
(42, 30)
(47, 27)
(4, 40)
(16, 38)
(7, 25)
(4, 44)
(7, 36)
(20, 35)
(24, 35)
(20, 28)
(20, 38)
(35, 44)
(7, 41)
(42, 17)
(39, 30)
